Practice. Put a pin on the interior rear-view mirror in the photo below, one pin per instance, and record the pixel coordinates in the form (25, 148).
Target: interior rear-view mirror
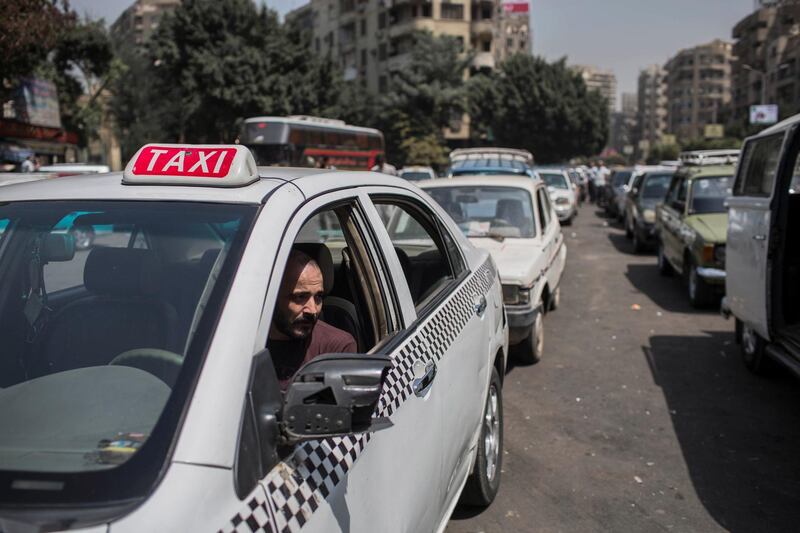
(335, 395)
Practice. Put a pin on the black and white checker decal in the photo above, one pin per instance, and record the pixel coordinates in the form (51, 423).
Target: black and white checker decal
(297, 486)
(256, 516)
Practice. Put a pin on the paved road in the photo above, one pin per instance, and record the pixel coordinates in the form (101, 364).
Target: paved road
(641, 419)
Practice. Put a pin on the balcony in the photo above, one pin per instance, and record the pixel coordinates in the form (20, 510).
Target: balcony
(482, 28)
(483, 60)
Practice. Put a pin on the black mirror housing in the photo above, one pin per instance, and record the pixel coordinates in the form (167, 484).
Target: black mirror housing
(335, 395)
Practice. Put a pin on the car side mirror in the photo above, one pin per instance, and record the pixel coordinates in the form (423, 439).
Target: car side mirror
(635, 191)
(335, 395)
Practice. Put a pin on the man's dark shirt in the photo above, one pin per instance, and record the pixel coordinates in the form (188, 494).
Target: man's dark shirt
(288, 356)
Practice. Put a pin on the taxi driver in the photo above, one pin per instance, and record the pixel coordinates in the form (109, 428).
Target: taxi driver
(297, 335)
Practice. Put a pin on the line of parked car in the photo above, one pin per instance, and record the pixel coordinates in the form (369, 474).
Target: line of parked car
(724, 220)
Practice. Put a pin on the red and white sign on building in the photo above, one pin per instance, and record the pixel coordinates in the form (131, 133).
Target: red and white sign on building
(516, 8)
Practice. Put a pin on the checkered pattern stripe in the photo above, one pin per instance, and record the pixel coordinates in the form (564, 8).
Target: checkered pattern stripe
(255, 517)
(297, 487)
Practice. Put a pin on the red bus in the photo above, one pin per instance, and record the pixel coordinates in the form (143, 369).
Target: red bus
(302, 141)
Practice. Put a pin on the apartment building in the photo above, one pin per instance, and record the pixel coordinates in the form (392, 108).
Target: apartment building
(602, 81)
(651, 120)
(767, 65)
(623, 123)
(135, 25)
(698, 88)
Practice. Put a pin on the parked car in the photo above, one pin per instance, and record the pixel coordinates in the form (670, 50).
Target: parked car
(562, 193)
(490, 162)
(763, 255)
(692, 225)
(647, 190)
(578, 177)
(619, 184)
(417, 173)
(141, 393)
(513, 218)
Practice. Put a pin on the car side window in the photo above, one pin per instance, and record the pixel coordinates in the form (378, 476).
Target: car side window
(544, 209)
(423, 252)
(794, 187)
(759, 165)
(677, 194)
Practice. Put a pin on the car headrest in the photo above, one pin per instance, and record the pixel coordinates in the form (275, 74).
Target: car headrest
(122, 272)
(57, 247)
(322, 255)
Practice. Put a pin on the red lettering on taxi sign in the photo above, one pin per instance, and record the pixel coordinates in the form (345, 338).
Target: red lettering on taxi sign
(188, 161)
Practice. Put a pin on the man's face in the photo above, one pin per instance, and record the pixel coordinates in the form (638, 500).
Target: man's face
(300, 301)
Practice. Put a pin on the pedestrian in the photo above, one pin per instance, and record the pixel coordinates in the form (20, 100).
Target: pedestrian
(27, 165)
(384, 167)
(592, 187)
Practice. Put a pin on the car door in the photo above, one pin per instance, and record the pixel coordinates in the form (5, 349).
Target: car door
(671, 214)
(453, 325)
(749, 219)
(552, 240)
(387, 479)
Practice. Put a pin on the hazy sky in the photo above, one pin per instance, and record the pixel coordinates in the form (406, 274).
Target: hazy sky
(621, 35)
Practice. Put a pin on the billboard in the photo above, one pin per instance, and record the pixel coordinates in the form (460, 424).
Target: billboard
(763, 114)
(515, 8)
(36, 103)
(714, 131)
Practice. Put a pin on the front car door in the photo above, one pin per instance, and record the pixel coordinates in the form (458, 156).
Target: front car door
(749, 219)
(552, 240)
(670, 218)
(455, 317)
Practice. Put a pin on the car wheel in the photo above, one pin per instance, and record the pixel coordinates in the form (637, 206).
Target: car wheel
(555, 299)
(529, 351)
(700, 294)
(628, 232)
(664, 268)
(484, 481)
(753, 354)
(638, 245)
(84, 237)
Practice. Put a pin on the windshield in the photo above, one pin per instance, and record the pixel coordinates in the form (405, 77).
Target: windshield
(554, 179)
(709, 194)
(99, 307)
(415, 176)
(272, 154)
(488, 211)
(487, 166)
(620, 178)
(655, 186)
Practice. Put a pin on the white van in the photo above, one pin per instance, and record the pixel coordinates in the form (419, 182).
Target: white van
(763, 256)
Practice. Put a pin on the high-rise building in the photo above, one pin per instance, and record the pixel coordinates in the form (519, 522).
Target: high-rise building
(698, 88)
(767, 65)
(371, 39)
(137, 23)
(623, 123)
(602, 81)
(651, 120)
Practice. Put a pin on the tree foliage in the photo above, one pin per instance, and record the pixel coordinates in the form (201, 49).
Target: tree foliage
(539, 106)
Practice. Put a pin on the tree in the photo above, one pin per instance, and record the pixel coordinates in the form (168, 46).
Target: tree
(29, 30)
(539, 106)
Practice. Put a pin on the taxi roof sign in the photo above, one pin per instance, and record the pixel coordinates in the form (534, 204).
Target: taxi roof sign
(204, 165)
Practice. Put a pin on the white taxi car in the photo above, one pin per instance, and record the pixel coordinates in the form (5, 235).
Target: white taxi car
(136, 392)
(514, 219)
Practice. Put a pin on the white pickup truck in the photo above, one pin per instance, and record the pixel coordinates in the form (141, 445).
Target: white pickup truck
(513, 218)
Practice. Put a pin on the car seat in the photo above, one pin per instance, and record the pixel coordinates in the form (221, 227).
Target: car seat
(124, 311)
(338, 312)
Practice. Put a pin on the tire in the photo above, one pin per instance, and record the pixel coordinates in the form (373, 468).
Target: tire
(529, 351)
(664, 268)
(484, 481)
(628, 232)
(753, 354)
(555, 299)
(84, 237)
(568, 222)
(700, 293)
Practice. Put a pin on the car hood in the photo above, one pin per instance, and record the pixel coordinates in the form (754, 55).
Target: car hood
(516, 259)
(713, 227)
(559, 193)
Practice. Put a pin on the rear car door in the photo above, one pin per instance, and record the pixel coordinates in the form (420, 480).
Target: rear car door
(453, 323)
(749, 219)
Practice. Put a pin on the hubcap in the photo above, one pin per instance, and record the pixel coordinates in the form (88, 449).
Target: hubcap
(693, 283)
(491, 433)
(539, 334)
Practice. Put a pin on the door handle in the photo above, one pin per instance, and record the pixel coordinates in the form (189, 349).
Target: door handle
(479, 304)
(424, 374)
(760, 237)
